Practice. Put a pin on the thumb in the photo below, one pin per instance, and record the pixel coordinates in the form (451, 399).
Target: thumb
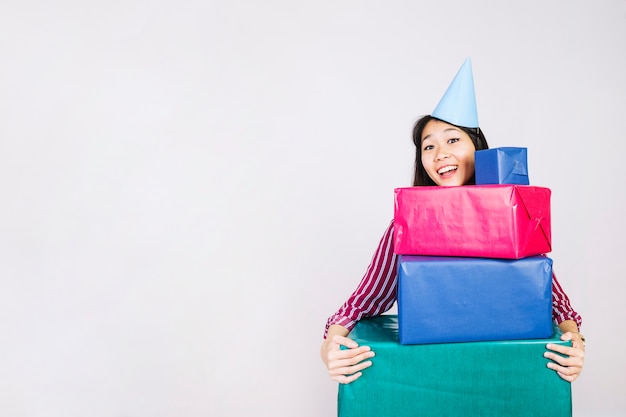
(566, 336)
(344, 341)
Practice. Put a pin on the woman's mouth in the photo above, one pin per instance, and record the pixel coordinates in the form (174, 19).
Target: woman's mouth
(449, 169)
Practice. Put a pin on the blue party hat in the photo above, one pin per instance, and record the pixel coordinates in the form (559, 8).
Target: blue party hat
(458, 104)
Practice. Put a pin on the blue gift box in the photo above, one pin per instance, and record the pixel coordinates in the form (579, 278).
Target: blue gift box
(454, 299)
(507, 165)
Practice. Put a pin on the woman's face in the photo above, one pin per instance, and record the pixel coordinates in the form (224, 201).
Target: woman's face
(447, 153)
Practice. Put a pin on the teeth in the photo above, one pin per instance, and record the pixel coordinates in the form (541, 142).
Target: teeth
(446, 169)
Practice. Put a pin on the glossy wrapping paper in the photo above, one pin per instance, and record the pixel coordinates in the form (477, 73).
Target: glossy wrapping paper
(491, 221)
(507, 165)
(486, 379)
(451, 299)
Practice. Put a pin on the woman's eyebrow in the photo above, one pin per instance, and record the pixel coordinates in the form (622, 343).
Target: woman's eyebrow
(450, 129)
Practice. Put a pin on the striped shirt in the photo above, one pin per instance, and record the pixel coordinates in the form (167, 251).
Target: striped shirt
(376, 292)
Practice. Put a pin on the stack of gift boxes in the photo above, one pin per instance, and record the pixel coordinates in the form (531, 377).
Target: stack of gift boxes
(474, 303)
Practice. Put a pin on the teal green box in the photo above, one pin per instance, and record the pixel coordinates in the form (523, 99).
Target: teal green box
(486, 379)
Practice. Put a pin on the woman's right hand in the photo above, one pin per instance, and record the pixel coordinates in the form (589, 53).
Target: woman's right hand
(345, 365)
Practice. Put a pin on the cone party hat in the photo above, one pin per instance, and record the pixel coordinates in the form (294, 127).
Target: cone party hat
(458, 104)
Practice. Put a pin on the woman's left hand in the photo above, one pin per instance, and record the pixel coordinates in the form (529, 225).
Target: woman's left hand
(570, 365)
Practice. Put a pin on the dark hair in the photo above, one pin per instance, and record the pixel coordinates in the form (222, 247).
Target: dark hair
(420, 176)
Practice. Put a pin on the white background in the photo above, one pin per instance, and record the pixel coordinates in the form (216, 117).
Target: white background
(190, 188)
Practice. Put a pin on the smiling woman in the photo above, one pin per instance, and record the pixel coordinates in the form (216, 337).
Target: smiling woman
(445, 143)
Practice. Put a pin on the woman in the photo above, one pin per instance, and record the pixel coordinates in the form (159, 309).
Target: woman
(444, 157)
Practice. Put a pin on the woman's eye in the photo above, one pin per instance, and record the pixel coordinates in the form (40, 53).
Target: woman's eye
(428, 147)
(453, 140)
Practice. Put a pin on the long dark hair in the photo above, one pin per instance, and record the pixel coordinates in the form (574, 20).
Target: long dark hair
(420, 176)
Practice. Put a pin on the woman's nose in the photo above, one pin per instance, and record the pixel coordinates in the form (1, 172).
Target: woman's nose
(442, 154)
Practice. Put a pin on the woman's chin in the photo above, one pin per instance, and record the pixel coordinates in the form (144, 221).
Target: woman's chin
(449, 182)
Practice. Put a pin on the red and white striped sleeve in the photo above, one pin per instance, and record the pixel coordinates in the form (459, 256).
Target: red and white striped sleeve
(376, 292)
(561, 308)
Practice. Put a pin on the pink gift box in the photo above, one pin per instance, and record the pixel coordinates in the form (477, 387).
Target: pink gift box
(485, 221)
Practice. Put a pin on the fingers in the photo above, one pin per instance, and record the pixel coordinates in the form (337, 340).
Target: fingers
(345, 365)
(346, 379)
(349, 358)
(349, 373)
(569, 356)
(564, 350)
(566, 361)
(568, 373)
(331, 348)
